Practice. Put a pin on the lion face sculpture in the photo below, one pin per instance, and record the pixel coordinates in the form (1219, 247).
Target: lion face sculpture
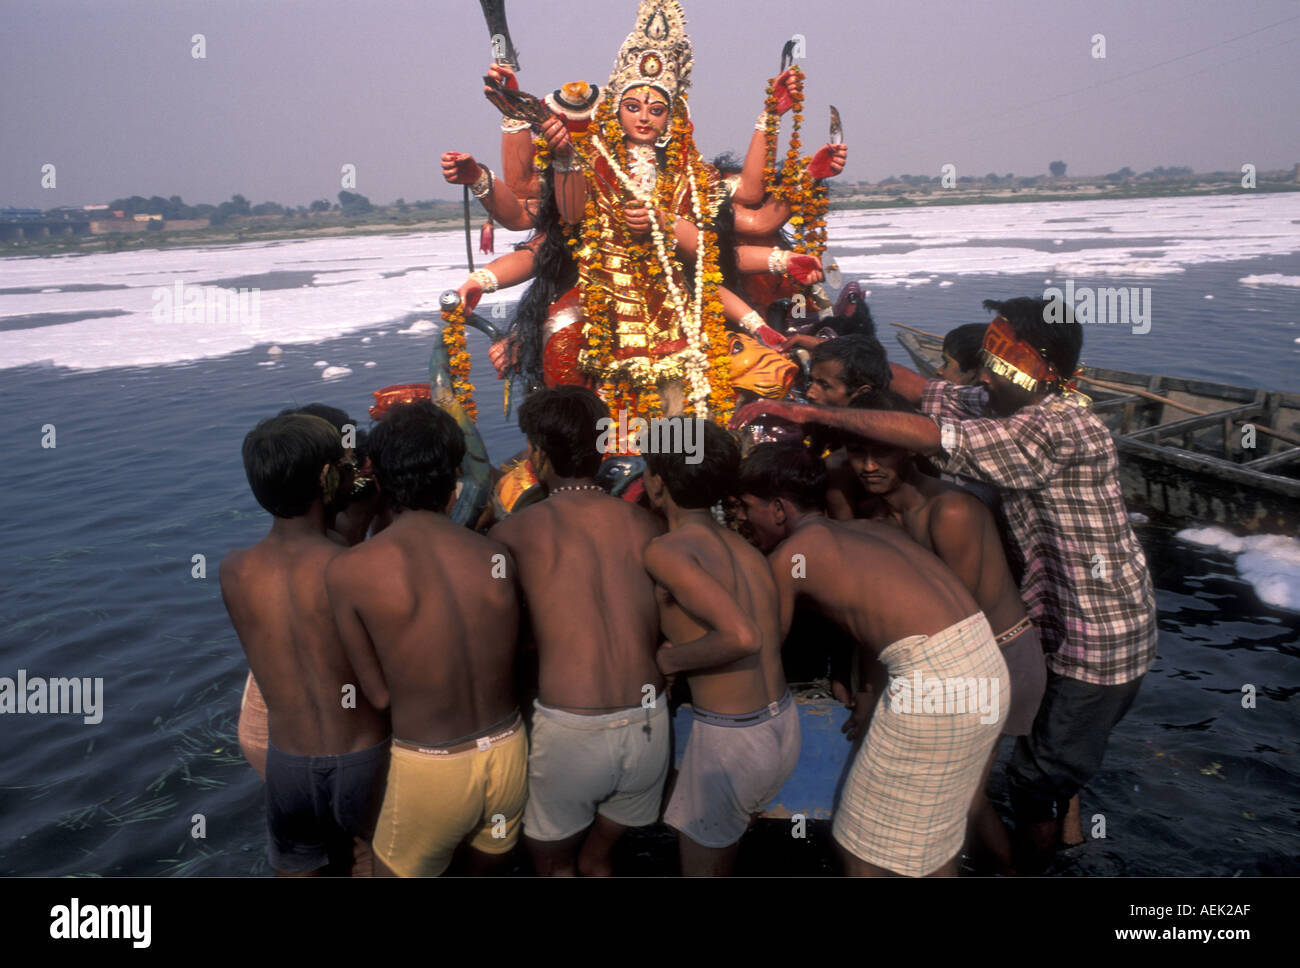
(759, 369)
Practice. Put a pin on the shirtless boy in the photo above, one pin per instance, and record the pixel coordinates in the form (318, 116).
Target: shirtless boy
(252, 729)
(600, 743)
(948, 521)
(904, 803)
(428, 614)
(718, 610)
(326, 757)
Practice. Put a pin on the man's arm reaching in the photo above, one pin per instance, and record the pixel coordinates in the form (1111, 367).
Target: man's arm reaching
(908, 384)
(356, 641)
(699, 594)
(907, 430)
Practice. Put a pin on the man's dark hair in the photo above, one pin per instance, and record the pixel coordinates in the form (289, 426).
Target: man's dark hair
(334, 415)
(362, 450)
(704, 484)
(963, 344)
(861, 356)
(417, 449)
(858, 322)
(785, 470)
(561, 422)
(1059, 343)
(283, 457)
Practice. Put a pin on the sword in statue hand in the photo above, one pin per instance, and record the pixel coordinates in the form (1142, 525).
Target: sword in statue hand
(503, 50)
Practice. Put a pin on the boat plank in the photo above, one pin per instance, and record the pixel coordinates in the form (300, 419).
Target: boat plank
(1193, 423)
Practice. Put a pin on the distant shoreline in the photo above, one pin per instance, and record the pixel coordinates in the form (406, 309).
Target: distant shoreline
(1085, 193)
(238, 233)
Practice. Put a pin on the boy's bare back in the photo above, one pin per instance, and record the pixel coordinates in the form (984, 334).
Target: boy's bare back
(428, 611)
(275, 594)
(872, 579)
(590, 602)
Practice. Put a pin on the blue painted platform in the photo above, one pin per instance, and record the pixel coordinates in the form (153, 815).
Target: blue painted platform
(811, 788)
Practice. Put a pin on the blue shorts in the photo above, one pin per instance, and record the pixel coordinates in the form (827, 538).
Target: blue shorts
(315, 805)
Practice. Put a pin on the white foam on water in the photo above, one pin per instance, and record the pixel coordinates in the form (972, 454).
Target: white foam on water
(1270, 279)
(334, 372)
(1270, 563)
(1128, 238)
(356, 298)
(418, 328)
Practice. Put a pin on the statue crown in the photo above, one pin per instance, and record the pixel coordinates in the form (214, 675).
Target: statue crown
(656, 53)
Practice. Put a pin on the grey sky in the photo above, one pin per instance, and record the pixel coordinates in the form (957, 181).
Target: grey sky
(290, 90)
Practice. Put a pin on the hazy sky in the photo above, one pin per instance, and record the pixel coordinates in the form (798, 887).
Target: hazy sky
(291, 90)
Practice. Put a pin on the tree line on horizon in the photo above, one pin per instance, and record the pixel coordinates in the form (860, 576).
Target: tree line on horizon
(1058, 169)
(175, 209)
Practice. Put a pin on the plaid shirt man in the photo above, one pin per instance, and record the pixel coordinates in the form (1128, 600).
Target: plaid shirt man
(1086, 583)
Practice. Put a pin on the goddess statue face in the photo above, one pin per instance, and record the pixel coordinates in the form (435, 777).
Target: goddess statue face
(644, 114)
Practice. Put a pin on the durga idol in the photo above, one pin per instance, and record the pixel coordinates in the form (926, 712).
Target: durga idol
(642, 206)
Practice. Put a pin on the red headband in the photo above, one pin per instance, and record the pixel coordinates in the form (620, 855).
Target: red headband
(1006, 354)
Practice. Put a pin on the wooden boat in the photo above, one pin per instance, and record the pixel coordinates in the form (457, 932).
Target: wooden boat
(1180, 443)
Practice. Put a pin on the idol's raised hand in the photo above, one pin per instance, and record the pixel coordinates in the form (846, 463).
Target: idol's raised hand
(829, 161)
(556, 134)
(460, 169)
(788, 87)
(504, 75)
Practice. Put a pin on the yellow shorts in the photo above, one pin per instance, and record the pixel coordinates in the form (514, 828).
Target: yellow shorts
(435, 799)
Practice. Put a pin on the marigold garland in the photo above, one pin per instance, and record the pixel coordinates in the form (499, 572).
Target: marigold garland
(453, 337)
(808, 201)
(541, 154)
